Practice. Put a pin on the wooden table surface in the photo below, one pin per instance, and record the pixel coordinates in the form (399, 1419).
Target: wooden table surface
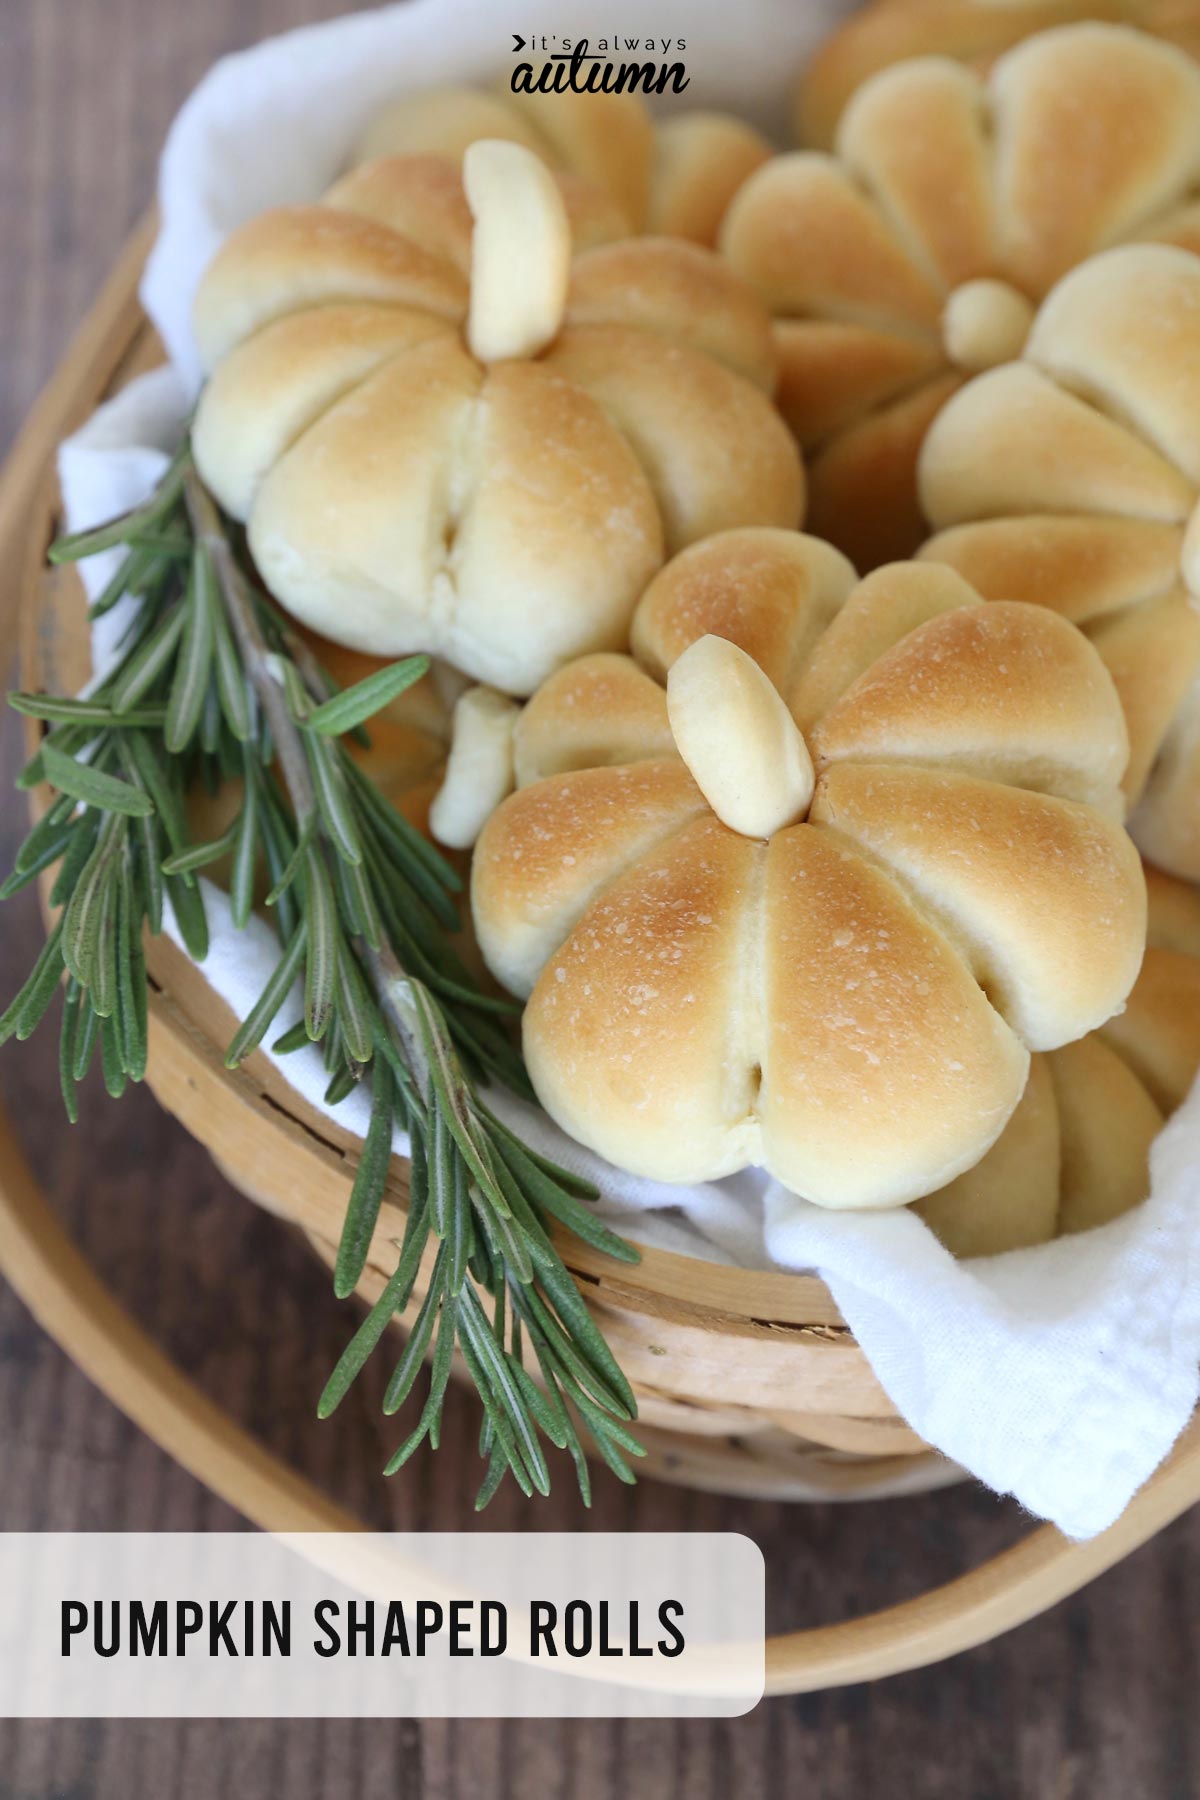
(1097, 1700)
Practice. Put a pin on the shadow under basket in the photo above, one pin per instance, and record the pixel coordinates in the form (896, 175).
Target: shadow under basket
(747, 1383)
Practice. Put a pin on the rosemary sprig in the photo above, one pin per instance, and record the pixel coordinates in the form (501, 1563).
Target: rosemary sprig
(211, 685)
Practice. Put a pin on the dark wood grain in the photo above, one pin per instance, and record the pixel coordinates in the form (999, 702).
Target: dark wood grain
(1098, 1700)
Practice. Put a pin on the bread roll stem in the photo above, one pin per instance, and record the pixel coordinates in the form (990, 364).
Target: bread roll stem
(479, 773)
(738, 739)
(520, 251)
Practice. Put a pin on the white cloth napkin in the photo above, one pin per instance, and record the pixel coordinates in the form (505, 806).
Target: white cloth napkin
(1060, 1375)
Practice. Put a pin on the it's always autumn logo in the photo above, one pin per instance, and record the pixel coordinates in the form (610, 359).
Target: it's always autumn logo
(574, 66)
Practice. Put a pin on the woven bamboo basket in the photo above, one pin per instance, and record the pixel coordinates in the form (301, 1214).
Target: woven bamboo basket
(747, 1383)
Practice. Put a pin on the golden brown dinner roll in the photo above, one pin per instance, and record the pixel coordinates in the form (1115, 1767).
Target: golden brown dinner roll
(445, 434)
(971, 31)
(700, 161)
(626, 172)
(830, 957)
(1071, 478)
(912, 258)
(1076, 1151)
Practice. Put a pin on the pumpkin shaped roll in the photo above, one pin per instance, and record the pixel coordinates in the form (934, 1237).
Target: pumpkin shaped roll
(971, 31)
(804, 884)
(444, 434)
(1076, 1152)
(913, 258)
(621, 170)
(1071, 478)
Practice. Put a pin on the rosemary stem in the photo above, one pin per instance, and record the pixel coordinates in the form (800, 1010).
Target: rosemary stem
(390, 986)
(256, 657)
(214, 684)
(388, 979)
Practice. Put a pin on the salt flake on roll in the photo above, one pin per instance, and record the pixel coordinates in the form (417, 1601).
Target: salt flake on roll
(830, 955)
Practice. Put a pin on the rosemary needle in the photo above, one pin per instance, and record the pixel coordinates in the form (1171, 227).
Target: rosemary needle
(213, 687)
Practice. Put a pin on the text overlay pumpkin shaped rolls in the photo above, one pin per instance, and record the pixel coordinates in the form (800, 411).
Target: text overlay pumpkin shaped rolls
(447, 435)
(850, 1002)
